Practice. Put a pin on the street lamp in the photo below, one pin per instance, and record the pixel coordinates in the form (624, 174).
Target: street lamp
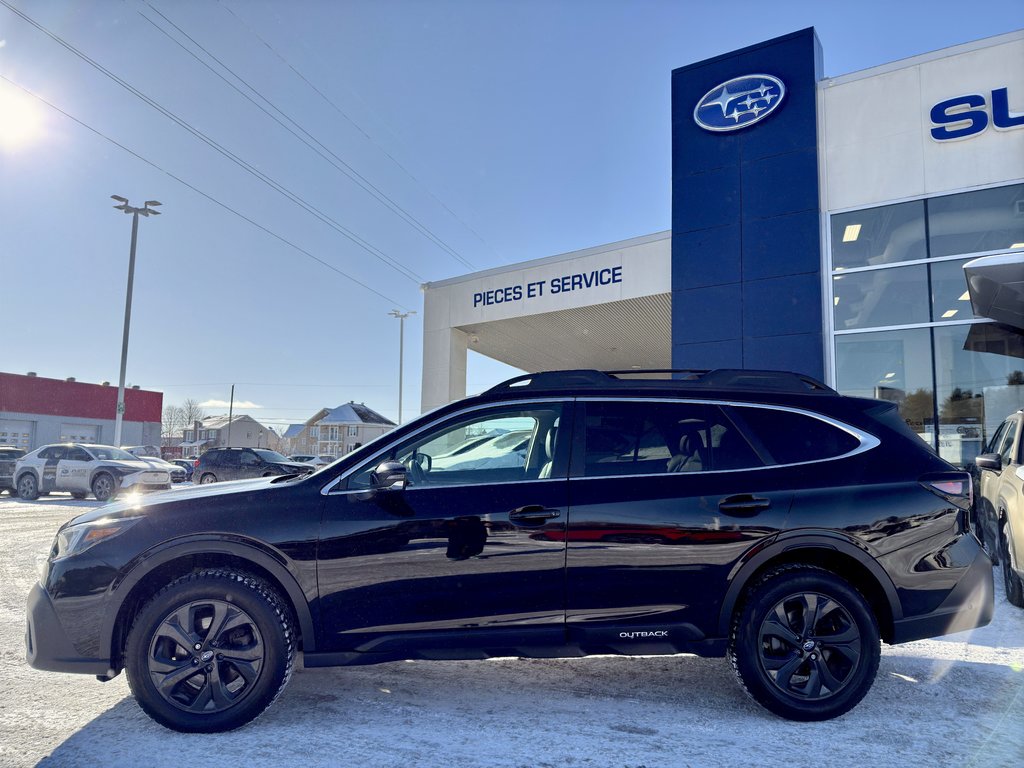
(146, 210)
(401, 352)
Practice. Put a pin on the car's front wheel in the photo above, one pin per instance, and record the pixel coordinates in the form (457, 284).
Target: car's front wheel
(28, 487)
(805, 644)
(210, 652)
(1011, 581)
(104, 487)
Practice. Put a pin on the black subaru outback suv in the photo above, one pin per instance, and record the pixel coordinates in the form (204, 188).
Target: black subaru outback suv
(755, 514)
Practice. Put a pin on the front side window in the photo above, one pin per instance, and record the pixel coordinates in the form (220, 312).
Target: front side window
(1006, 446)
(650, 437)
(78, 454)
(496, 446)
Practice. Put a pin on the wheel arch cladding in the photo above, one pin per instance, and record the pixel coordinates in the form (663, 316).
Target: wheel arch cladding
(831, 554)
(154, 574)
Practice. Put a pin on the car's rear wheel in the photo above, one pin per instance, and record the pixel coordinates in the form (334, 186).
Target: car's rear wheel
(28, 487)
(210, 652)
(104, 487)
(805, 644)
(1011, 581)
(207, 478)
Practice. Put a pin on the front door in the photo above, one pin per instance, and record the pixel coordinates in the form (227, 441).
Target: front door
(473, 546)
(73, 470)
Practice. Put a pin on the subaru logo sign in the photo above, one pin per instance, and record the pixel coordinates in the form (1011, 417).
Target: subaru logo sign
(738, 103)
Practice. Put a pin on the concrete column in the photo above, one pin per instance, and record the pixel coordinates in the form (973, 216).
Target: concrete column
(444, 366)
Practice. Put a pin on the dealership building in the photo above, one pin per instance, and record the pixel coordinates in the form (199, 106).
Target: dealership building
(35, 411)
(866, 229)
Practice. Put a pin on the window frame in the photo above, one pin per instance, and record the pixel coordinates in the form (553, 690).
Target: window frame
(866, 441)
(338, 485)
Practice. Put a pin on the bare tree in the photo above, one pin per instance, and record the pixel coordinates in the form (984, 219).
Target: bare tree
(173, 421)
(191, 412)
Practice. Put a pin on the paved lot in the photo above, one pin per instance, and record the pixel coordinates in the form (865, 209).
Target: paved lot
(957, 701)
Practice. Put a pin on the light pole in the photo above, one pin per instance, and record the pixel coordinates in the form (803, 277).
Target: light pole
(146, 210)
(401, 353)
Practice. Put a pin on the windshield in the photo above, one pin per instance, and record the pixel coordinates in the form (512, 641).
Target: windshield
(269, 455)
(110, 453)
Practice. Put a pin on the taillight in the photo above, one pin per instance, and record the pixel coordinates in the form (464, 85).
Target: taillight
(954, 487)
(195, 464)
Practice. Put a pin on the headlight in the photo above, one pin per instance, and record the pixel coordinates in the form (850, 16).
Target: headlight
(75, 539)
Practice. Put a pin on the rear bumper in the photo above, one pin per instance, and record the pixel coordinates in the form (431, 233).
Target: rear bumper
(970, 604)
(47, 645)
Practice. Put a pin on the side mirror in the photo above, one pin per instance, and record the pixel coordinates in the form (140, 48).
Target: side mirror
(389, 476)
(991, 461)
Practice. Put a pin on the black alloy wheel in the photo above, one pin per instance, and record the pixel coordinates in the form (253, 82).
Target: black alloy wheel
(210, 652)
(206, 656)
(805, 644)
(809, 646)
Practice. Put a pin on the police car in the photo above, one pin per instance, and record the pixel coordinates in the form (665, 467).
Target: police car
(102, 470)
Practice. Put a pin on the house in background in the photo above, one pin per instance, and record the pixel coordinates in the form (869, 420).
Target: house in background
(337, 431)
(291, 439)
(217, 432)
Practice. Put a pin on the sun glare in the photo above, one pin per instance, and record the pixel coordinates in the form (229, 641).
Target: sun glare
(21, 120)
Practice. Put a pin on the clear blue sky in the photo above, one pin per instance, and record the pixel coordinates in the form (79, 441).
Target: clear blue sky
(507, 130)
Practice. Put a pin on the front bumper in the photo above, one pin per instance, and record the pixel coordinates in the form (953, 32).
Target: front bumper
(970, 604)
(47, 645)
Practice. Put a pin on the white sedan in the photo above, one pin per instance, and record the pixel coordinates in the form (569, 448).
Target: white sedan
(102, 470)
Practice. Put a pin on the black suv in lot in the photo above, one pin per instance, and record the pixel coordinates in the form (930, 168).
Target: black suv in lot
(755, 514)
(242, 464)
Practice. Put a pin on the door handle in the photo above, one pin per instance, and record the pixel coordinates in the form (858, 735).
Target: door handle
(743, 505)
(533, 514)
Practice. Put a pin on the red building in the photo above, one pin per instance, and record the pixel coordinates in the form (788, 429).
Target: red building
(36, 411)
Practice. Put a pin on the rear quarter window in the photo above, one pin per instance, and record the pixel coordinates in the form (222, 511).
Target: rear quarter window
(786, 437)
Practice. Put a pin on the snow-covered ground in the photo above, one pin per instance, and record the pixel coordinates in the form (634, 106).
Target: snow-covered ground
(955, 701)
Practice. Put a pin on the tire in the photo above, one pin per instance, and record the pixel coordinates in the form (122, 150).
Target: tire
(235, 673)
(78, 495)
(207, 478)
(1011, 581)
(28, 487)
(786, 666)
(104, 487)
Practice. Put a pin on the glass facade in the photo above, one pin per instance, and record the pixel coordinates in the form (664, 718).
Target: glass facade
(904, 327)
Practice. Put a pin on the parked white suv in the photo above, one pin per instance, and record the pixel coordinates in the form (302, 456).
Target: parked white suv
(80, 469)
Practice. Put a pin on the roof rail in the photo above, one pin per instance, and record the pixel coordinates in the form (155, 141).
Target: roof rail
(721, 378)
(782, 381)
(555, 380)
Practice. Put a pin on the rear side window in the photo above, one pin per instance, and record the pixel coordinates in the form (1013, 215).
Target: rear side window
(785, 437)
(650, 437)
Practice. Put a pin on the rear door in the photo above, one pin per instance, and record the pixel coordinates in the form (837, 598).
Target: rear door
(227, 465)
(662, 503)
(51, 458)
